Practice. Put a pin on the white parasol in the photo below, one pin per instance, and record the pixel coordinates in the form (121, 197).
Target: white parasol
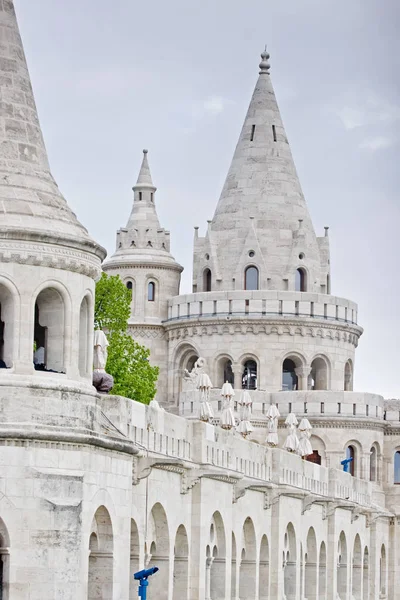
(305, 448)
(292, 441)
(204, 385)
(100, 344)
(272, 421)
(245, 403)
(227, 420)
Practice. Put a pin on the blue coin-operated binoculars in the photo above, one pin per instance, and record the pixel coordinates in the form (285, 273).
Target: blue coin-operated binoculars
(142, 577)
(346, 464)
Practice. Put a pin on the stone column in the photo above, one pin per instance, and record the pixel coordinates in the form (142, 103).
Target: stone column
(302, 374)
(237, 369)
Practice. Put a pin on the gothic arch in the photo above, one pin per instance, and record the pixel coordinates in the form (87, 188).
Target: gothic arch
(101, 561)
(158, 547)
(217, 575)
(248, 563)
(342, 566)
(311, 561)
(263, 586)
(181, 558)
(290, 562)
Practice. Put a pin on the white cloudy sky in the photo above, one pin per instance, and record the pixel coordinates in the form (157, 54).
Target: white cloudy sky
(113, 77)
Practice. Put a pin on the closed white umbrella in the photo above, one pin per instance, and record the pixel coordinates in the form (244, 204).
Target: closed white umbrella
(305, 448)
(272, 415)
(292, 441)
(227, 420)
(245, 403)
(204, 385)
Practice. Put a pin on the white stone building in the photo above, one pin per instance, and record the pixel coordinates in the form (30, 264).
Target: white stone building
(93, 488)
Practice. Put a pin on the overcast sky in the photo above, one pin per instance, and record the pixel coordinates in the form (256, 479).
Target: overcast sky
(114, 77)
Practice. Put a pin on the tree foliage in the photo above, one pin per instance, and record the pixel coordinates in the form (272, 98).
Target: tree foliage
(127, 362)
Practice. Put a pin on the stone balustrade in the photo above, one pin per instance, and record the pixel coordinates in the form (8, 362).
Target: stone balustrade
(262, 304)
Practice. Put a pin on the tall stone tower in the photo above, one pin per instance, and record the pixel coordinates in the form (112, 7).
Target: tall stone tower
(144, 262)
(261, 312)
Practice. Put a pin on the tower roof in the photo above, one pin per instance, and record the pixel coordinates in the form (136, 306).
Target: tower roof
(31, 204)
(261, 201)
(143, 241)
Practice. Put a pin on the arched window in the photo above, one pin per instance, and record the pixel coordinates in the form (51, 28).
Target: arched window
(4, 562)
(6, 328)
(101, 563)
(319, 374)
(85, 327)
(351, 453)
(49, 331)
(382, 574)
(151, 291)
(397, 467)
(348, 377)
(129, 285)
(373, 464)
(251, 278)
(207, 280)
(289, 378)
(301, 281)
(249, 377)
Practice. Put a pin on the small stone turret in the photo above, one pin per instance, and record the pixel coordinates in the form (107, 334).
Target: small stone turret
(143, 261)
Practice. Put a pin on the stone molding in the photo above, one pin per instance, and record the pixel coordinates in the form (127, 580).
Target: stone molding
(50, 255)
(147, 331)
(118, 265)
(346, 333)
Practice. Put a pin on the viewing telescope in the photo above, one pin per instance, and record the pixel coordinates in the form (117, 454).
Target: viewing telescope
(142, 577)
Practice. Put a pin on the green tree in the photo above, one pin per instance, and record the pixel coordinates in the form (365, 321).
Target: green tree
(128, 361)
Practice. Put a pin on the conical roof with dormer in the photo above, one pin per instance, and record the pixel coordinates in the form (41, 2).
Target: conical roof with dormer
(31, 205)
(261, 202)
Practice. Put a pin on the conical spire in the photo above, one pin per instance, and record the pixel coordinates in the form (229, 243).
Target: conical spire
(30, 202)
(262, 183)
(143, 240)
(144, 178)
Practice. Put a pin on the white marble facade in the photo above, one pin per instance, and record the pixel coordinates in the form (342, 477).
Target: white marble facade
(94, 488)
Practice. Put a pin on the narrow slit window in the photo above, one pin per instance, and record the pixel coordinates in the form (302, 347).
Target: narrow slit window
(140, 195)
(253, 130)
(151, 292)
(151, 196)
(274, 132)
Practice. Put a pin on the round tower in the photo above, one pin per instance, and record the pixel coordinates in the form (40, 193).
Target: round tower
(143, 261)
(261, 312)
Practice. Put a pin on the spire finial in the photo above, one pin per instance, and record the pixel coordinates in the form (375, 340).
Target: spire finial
(264, 64)
(145, 151)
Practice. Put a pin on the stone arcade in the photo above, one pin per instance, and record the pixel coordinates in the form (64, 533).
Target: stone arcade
(94, 487)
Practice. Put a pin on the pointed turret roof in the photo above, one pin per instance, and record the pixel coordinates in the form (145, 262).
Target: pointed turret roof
(143, 240)
(261, 199)
(30, 201)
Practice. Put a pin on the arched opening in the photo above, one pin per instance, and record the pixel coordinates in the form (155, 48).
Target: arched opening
(181, 571)
(341, 571)
(348, 376)
(247, 576)
(134, 560)
(373, 464)
(218, 566)
(351, 453)
(397, 467)
(85, 327)
(207, 280)
(263, 586)
(101, 548)
(357, 569)
(225, 371)
(7, 319)
(233, 568)
(311, 566)
(289, 563)
(322, 572)
(159, 545)
(382, 573)
(249, 377)
(251, 277)
(366, 575)
(129, 285)
(301, 280)
(4, 562)
(290, 380)
(319, 375)
(49, 332)
(151, 291)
